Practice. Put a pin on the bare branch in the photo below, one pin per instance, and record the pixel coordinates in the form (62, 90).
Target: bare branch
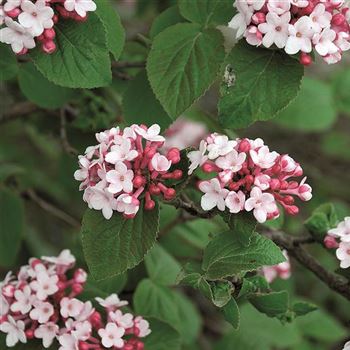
(18, 110)
(63, 133)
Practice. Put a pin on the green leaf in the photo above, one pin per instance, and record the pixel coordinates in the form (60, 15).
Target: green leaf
(11, 226)
(8, 169)
(141, 106)
(260, 75)
(271, 304)
(115, 245)
(162, 337)
(183, 62)
(81, 59)
(243, 226)
(41, 91)
(166, 19)
(207, 11)
(322, 219)
(161, 266)
(153, 300)
(226, 256)
(252, 285)
(114, 29)
(222, 292)
(341, 91)
(8, 63)
(312, 110)
(231, 313)
(303, 308)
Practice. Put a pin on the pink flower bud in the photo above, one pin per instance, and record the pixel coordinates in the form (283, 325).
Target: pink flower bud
(174, 155)
(338, 19)
(8, 291)
(80, 276)
(154, 190)
(84, 346)
(292, 210)
(244, 146)
(330, 242)
(49, 47)
(259, 17)
(49, 33)
(305, 59)
(29, 333)
(13, 13)
(139, 181)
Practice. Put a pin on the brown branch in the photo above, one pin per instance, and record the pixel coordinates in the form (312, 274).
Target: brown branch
(190, 208)
(50, 208)
(18, 110)
(63, 133)
(294, 247)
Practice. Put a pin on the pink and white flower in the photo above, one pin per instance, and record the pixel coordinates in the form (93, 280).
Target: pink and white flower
(14, 330)
(42, 311)
(112, 335)
(214, 195)
(44, 285)
(160, 163)
(23, 300)
(120, 179)
(235, 201)
(112, 302)
(197, 158)
(71, 307)
(81, 7)
(220, 145)
(47, 332)
(232, 161)
(263, 157)
(343, 254)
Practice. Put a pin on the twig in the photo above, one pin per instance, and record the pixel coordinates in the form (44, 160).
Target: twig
(192, 209)
(63, 133)
(294, 247)
(50, 208)
(18, 110)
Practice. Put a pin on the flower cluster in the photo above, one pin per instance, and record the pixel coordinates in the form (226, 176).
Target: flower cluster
(125, 165)
(282, 270)
(248, 177)
(339, 238)
(296, 26)
(30, 22)
(40, 303)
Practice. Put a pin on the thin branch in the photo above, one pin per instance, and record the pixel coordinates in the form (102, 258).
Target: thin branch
(63, 133)
(50, 208)
(294, 247)
(18, 110)
(192, 209)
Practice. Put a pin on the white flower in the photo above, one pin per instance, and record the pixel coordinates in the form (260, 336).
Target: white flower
(278, 6)
(253, 36)
(101, 199)
(160, 163)
(220, 147)
(16, 36)
(214, 194)
(127, 204)
(262, 181)
(120, 179)
(81, 7)
(143, 327)
(262, 203)
(232, 161)
(112, 335)
(263, 157)
(36, 17)
(343, 254)
(112, 302)
(71, 307)
(320, 18)
(24, 300)
(12, 4)
(151, 134)
(82, 174)
(14, 330)
(66, 258)
(47, 332)
(42, 312)
(82, 330)
(342, 230)
(197, 158)
(343, 40)
(44, 285)
(235, 201)
(68, 342)
(121, 152)
(122, 320)
(347, 346)
(300, 3)
(2, 14)
(86, 312)
(300, 35)
(4, 306)
(275, 29)
(324, 42)
(288, 164)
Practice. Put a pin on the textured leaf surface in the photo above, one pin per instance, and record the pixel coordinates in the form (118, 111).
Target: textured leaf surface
(182, 64)
(265, 83)
(115, 245)
(81, 59)
(271, 304)
(231, 313)
(225, 255)
(11, 226)
(41, 91)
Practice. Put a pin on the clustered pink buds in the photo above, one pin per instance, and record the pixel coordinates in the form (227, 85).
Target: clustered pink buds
(124, 167)
(282, 270)
(248, 177)
(297, 26)
(30, 22)
(339, 238)
(40, 303)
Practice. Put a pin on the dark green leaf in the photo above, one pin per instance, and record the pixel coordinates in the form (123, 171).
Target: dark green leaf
(183, 62)
(115, 245)
(222, 292)
(231, 313)
(226, 256)
(81, 59)
(8, 169)
(272, 304)
(341, 91)
(8, 63)
(141, 106)
(302, 308)
(41, 91)
(11, 226)
(252, 285)
(260, 75)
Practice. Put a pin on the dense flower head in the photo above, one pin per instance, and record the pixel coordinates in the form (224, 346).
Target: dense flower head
(339, 238)
(248, 176)
(126, 166)
(27, 22)
(297, 26)
(40, 302)
(281, 270)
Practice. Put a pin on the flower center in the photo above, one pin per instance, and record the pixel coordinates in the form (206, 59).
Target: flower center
(278, 28)
(298, 35)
